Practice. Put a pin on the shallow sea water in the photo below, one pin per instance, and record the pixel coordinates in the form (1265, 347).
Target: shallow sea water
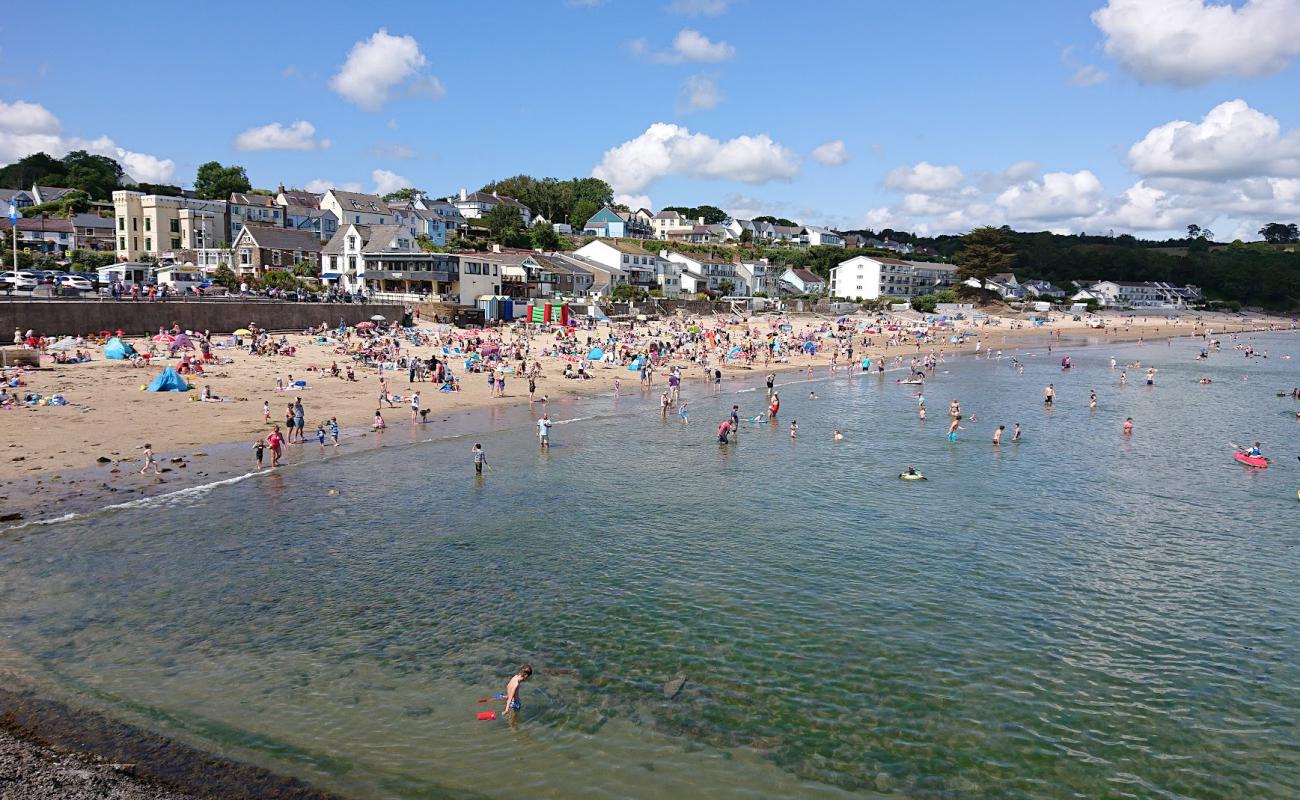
(1076, 615)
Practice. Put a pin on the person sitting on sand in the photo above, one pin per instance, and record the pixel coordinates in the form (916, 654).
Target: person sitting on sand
(378, 424)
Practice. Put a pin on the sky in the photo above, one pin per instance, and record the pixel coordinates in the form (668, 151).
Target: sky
(1097, 116)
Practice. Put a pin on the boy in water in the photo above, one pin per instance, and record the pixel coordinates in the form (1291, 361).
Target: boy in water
(479, 458)
(512, 689)
(1015, 433)
(334, 430)
(997, 434)
(259, 448)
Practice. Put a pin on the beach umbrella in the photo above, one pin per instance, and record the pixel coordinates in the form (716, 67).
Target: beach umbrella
(66, 343)
(361, 325)
(163, 337)
(378, 318)
(243, 332)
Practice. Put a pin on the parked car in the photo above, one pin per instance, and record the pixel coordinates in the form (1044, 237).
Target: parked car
(20, 280)
(76, 282)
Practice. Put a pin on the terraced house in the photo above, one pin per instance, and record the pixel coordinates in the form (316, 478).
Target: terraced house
(265, 248)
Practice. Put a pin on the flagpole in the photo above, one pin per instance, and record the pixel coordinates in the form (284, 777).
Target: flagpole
(13, 223)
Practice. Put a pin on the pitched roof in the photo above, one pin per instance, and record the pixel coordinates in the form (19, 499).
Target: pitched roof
(298, 197)
(40, 224)
(245, 199)
(8, 194)
(667, 215)
(91, 221)
(335, 244)
(276, 238)
(488, 197)
(365, 203)
(48, 194)
(806, 276)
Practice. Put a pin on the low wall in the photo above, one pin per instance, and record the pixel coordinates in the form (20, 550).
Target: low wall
(80, 317)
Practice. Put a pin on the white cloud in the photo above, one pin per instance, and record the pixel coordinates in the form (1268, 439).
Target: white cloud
(144, 167)
(1191, 42)
(392, 150)
(699, 93)
(427, 86)
(27, 128)
(1088, 75)
(291, 71)
(387, 181)
(299, 135)
(832, 154)
(923, 177)
(688, 46)
(1232, 141)
(698, 8)
(743, 206)
(1058, 196)
(21, 117)
(666, 149)
(634, 201)
(1021, 170)
(321, 186)
(375, 66)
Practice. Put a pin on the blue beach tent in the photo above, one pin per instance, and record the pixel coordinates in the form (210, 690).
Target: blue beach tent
(117, 349)
(595, 354)
(168, 381)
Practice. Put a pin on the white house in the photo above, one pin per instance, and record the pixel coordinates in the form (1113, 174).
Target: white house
(704, 274)
(804, 281)
(638, 264)
(476, 205)
(873, 277)
(820, 237)
(354, 208)
(755, 275)
(666, 222)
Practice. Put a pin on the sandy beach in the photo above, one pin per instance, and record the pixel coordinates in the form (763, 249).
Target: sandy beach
(87, 454)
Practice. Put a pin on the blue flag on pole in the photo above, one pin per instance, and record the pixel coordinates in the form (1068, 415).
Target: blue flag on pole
(13, 213)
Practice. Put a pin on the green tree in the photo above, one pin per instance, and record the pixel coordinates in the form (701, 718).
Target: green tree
(226, 277)
(583, 210)
(925, 303)
(165, 189)
(95, 175)
(726, 287)
(276, 279)
(501, 219)
(746, 236)
(544, 237)
(626, 292)
(1280, 233)
(405, 195)
(984, 253)
(215, 182)
(36, 168)
(74, 202)
(782, 221)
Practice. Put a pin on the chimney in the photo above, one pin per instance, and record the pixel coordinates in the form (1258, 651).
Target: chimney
(496, 248)
(701, 220)
(463, 195)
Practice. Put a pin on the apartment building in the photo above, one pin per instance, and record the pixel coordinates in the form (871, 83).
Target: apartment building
(159, 225)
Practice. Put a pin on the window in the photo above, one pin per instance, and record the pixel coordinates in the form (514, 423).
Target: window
(148, 243)
(176, 226)
(135, 224)
(275, 258)
(121, 223)
(148, 224)
(121, 243)
(245, 257)
(176, 243)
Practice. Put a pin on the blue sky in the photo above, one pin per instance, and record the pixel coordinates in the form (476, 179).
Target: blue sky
(930, 116)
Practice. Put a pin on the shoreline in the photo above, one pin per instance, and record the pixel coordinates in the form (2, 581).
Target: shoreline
(199, 467)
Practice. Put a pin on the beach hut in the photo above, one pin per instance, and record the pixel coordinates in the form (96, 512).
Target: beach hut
(168, 381)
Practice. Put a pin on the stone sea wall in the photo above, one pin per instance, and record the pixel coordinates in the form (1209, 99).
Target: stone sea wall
(80, 317)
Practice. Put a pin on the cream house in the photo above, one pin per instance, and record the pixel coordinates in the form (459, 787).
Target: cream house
(159, 225)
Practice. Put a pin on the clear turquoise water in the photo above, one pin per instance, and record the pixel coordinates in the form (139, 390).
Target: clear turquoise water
(1073, 616)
